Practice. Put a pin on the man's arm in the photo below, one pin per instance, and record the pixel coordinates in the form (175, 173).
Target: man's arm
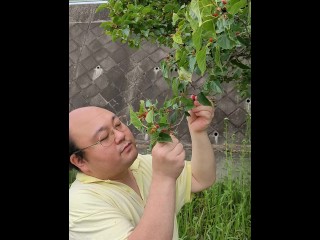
(157, 221)
(203, 164)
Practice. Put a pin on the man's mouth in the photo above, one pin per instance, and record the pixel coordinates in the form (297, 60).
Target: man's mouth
(126, 146)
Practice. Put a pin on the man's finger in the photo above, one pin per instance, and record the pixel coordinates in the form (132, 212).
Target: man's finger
(174, 139)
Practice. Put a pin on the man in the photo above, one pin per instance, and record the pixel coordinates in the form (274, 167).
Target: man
(120, 194)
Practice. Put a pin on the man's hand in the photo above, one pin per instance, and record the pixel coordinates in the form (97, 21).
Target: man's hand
(200, 117)
(168, 159)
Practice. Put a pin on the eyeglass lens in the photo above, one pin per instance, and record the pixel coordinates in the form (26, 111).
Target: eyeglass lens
(107, 138)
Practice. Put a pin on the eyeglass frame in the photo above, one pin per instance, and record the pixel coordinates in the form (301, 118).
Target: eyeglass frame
(99, 141)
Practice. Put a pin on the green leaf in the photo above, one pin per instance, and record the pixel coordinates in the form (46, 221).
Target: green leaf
(174, 117)
(184, 75)
(217, 58)
(170, 7)
(142, 109)
(195, 11)
(224, 42)
(164, 137)
(192, 62)
(114, 35)
(183, 58)
(209, 26)
(201, 60)
(117, 6)
(146, 10)
(244, 41)
(193, 23)
(220, 25)
(164, 125)
(182, 86)
(188, 103)
(178, 54)
(102, 7)
(145, 32)
(175, 84)
(175, 18)
(149, 117)
(167, 103)
(203, 99)
(237, 6)
(249, 13)
(106, 25)
(164, 69)
(126, 32)
(216, 86)
(163, 120)
(135, 120)
(154, 139)
(148, 103)
(177, 38)
(196, 38)
(239, 64)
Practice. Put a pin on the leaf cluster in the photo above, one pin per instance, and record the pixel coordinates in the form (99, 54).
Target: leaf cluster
(209, 38)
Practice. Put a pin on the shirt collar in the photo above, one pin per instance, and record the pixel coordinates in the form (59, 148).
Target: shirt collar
(84, 178)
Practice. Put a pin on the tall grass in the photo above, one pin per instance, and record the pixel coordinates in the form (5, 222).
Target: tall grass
(223, 211)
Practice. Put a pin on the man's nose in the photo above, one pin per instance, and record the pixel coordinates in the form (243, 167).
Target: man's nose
(118, 135)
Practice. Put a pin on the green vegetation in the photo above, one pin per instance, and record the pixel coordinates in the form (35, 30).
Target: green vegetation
(223, 211)
(208, 38)
(220, 213)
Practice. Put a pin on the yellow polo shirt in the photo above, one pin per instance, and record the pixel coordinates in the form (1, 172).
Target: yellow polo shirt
(110, 210)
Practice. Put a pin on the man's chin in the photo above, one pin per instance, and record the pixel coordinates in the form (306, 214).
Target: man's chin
(135, 153)
(133, 157)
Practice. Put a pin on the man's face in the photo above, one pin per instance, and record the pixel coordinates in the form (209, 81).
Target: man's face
(117, 150)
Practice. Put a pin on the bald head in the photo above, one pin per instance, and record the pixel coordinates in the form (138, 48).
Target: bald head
(83, 114)
(84, 110)
(85, 120)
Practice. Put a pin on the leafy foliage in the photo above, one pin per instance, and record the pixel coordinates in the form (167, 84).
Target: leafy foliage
(210, 38)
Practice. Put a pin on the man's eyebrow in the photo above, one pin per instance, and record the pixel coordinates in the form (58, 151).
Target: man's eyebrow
(102, 128)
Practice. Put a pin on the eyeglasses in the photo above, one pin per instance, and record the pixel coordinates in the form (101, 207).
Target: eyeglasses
(105, 138)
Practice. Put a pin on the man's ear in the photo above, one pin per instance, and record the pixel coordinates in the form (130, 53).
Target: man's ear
(79, 162)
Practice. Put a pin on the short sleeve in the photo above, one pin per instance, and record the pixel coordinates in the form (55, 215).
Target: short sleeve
(98, 220)
(102, 225)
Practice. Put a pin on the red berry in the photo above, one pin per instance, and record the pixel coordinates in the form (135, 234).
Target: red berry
(215, 14)
(193, 97)
(211, 39)
(224, 1)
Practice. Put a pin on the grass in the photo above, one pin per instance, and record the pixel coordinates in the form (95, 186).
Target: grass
(223, 211)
